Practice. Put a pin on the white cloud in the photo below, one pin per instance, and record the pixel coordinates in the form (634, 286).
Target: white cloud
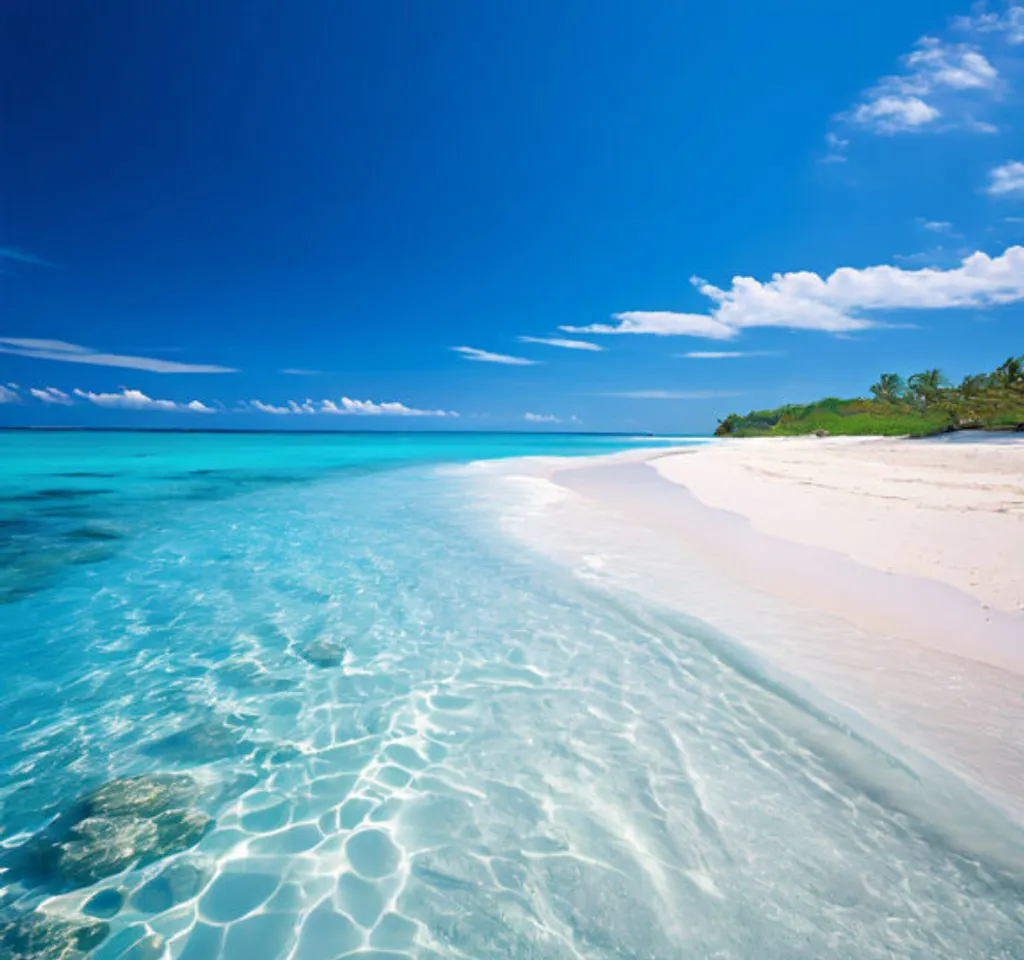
(1006, 180)
(937, 226)
(347, 407)
(262, 407)
(670, 394)
(841, 302)
(957, 66)
(660, 323)
(836, 146)
(485, 356)
(887, 114)
(559, 342)
(541, 418)
(726, 354)
(367, 408)
(8, 395)
(1010, 23)
(73, 353)
(837, 303)
(52, 395)
(300, 372)
(137, 400)
(935, 77)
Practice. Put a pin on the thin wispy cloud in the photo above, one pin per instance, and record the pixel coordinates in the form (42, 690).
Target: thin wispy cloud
(841, 303)
(1010, 23)
(937, 226)
(301, 372)
(726, 354)
(73, 353)
(485, 356)
(20, 256)
(8, 394)
(836, 148)
(52, 395)
(137, 400)
(670, 394)
(343, 407)
(541, 418)
(660, 323)
(564, 344)
(1006, 180)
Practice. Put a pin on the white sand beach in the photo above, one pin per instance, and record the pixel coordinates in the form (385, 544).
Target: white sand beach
(950, 511)
(883, 577)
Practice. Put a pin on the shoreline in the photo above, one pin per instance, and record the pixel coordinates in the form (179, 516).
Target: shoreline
(926, 665)
(815, 564)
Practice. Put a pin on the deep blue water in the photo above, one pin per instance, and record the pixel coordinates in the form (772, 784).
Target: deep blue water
(292, 696)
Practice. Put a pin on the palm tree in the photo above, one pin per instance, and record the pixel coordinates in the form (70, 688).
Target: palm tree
(890, 388)
(974, 385)
(927, 385)
(1010, 372)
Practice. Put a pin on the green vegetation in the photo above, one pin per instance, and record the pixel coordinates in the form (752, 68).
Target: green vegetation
(922, 405)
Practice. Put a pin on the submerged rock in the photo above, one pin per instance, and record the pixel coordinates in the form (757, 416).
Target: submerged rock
(324, 653)
(36, 936)
(95, 532)
(127, 822)
(201, 743)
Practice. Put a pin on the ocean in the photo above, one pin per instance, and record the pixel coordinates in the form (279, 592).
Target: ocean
(297, 696)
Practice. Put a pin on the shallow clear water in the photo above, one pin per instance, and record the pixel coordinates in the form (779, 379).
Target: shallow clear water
(269, 697)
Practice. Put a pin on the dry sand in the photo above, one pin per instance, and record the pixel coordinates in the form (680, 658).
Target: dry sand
(949, 511)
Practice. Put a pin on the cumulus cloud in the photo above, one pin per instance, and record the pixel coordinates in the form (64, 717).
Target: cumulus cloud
(541, 418)
(485, 356)
(52, 395)
(891, 114)
(840, 303)
(565, 344)
(346, 407)
(137, 400)
(73, 353)
(935, 78)
(8, 394)
(1006, 180)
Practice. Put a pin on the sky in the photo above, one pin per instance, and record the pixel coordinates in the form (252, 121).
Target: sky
(581, 215)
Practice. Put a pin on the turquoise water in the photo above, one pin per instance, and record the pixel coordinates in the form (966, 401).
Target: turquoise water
(279, 696)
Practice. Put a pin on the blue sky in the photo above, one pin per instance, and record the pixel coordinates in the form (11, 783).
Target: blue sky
(401, 202)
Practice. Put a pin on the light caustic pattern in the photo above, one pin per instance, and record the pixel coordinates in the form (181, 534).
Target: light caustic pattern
(413, 742)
